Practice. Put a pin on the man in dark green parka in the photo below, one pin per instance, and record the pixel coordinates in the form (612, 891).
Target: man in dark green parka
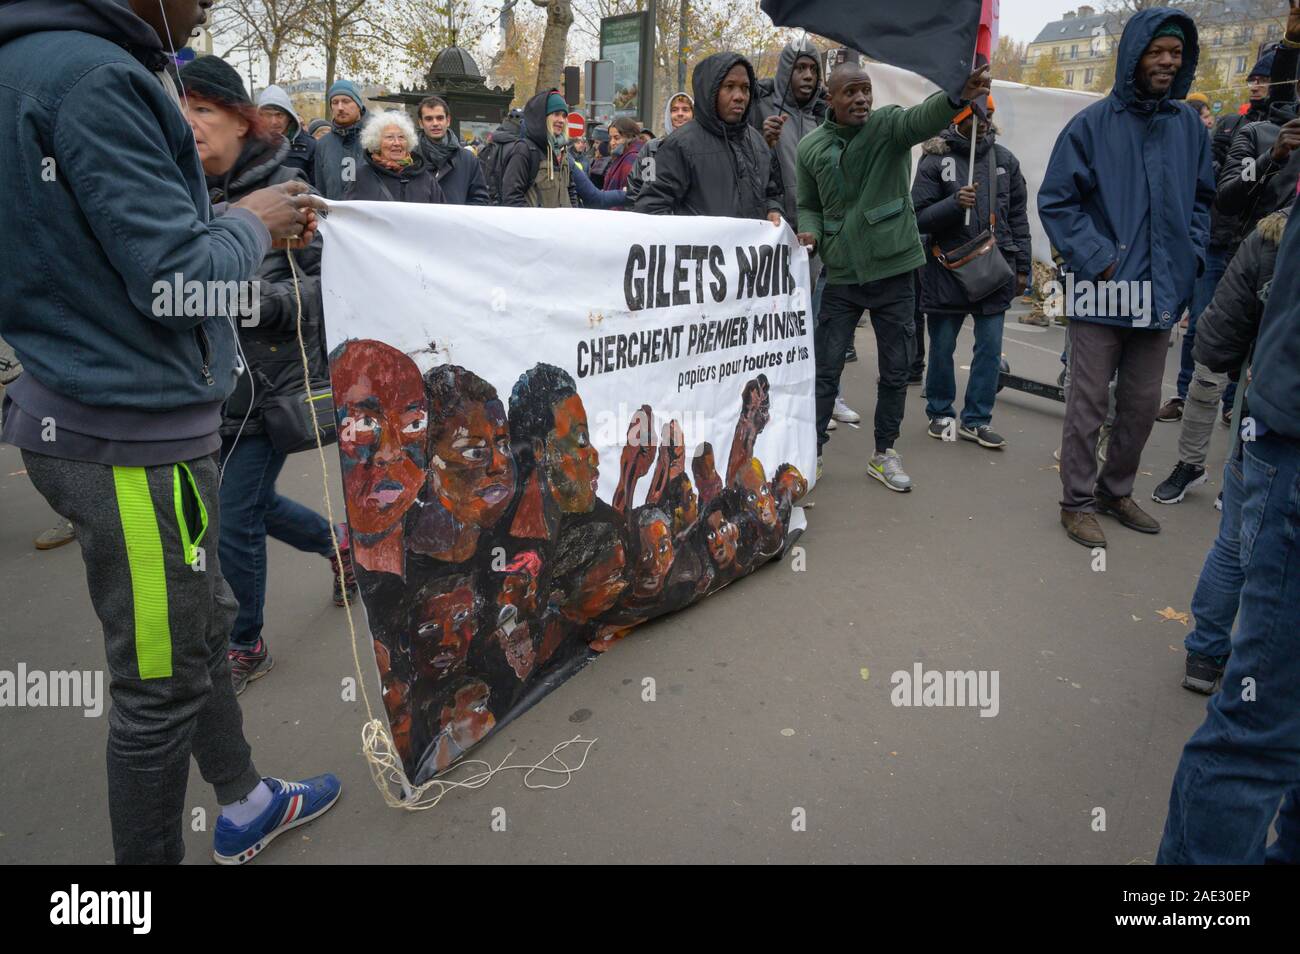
(854, 180)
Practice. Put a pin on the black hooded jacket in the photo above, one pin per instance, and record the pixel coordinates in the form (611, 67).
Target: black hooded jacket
(938, 215)
(1245, 199)
(1226, 330)
(270, 338)
(1272, 185)
(521, 159)
(491, 157)
(707, 167)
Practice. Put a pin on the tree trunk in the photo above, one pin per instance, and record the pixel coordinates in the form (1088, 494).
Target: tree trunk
(272, 63)
(550, 65)
(331, 63)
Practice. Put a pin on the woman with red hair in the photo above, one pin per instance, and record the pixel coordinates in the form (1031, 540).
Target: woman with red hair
(239, 154)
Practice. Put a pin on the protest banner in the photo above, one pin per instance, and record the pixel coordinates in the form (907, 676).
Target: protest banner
(554, 425)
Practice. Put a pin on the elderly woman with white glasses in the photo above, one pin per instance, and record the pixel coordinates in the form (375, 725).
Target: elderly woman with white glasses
(393, 169)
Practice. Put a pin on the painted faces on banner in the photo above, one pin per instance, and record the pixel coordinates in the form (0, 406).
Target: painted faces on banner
(465, 720)
(512, 571)
(654, 553)
(682, 503)
(572, 463)
(444, 618)
(548, 428)
(590, 571)
(382, 422)
(472, 470)
(760, 508)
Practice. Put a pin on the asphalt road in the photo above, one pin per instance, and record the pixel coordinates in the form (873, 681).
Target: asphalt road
(772, 696)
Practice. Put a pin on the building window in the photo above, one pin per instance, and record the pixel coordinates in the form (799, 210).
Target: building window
(1088, 76)
(1069, 77)
(1274, 31)
(1074, 51)
(1218, 39)
(1241, 64)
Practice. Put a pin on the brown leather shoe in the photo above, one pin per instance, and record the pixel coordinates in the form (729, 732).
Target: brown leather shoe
(1127, 512)
(1083, 528)
(1171, 410)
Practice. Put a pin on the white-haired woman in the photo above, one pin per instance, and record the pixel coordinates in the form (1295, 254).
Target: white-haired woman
(393, 170)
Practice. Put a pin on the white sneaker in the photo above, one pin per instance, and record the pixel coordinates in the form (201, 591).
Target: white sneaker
(845, 413)
(831, 425)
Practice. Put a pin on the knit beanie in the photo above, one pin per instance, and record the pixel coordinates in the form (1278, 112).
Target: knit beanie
(555, 103)
(345, 88)
(1264, 67)
(1170, 28)
(212, 78)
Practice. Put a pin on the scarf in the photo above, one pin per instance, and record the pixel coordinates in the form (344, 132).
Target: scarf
(439, 151)
(391, 165)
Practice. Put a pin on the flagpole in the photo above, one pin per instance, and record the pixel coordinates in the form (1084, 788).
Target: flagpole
(970, 179)
(974, 130)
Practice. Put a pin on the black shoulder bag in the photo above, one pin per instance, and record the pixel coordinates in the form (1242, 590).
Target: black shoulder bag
(979, 265)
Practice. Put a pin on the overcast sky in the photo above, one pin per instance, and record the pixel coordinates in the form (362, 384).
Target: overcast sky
(1023, 19)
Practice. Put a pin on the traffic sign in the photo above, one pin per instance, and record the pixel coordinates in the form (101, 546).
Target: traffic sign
(577, 125)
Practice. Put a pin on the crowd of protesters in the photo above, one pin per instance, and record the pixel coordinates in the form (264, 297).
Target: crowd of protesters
(180, 171)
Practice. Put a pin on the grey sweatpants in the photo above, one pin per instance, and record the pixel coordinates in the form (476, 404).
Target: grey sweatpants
(1097, 352)
(144, 532)
(1200, 411)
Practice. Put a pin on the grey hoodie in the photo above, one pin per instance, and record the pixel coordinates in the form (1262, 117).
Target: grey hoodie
(275, 96)
(777, 99)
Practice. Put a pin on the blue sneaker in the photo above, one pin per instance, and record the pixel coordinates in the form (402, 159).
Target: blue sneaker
(292, 804)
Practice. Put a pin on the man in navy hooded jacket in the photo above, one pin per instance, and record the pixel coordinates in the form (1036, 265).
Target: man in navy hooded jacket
(104, 214)
(1126, 201)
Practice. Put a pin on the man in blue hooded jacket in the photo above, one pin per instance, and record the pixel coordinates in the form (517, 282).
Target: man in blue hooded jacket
(338, 153)
(104, 217)
(1126, 201)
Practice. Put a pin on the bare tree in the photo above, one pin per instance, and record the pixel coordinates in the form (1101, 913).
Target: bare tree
(266, 28)
(550, 67)
(348, 33)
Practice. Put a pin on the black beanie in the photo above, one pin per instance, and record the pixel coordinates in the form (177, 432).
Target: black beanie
(1264, 67)
(213, 78)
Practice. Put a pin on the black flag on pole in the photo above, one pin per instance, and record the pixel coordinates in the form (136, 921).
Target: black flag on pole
(935, 38)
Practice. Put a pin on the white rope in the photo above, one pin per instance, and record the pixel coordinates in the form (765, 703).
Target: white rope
(376, 743)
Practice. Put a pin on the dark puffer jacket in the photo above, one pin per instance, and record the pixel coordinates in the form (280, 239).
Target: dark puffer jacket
(938, 215)
(271, 345)
(1271, 185)
(415, 183)
(1227, 329)
(707, 167)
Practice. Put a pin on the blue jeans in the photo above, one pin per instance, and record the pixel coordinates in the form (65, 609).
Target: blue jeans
(250, 509)
(1214, 604)
(981, 386)
(1245, 758)
(1216, 263)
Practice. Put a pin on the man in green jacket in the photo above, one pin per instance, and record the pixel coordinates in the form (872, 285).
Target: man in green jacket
(855, 206)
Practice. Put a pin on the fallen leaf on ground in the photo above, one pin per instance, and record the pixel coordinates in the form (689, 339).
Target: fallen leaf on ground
(1169, 613)
(864, 673)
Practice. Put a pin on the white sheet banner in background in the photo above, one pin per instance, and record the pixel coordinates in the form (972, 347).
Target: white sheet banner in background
(1029, 119)
(554, 425)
